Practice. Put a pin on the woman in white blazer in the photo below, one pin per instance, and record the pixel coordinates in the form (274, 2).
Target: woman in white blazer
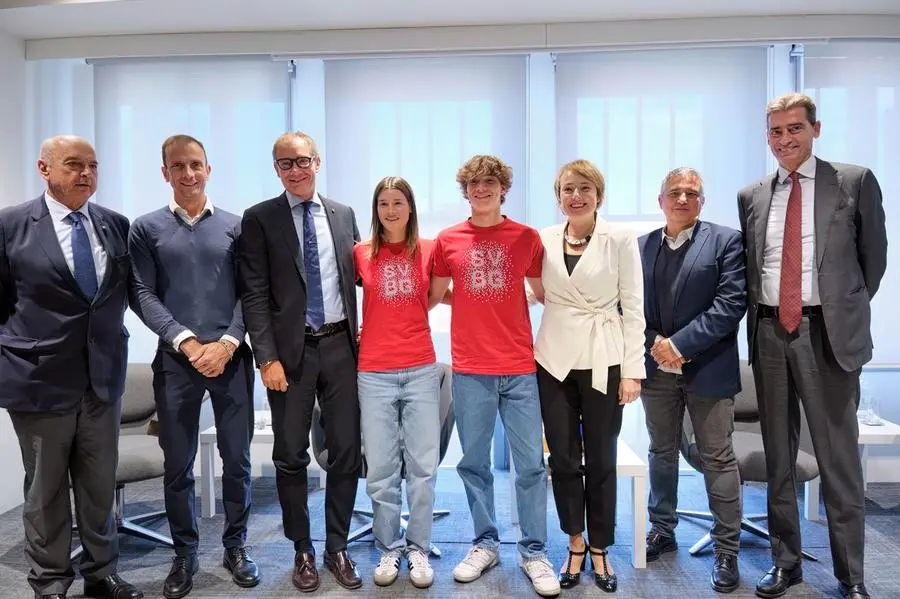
(590, 361)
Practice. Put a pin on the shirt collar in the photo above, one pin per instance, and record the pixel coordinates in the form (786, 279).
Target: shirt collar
(179, 211)
(807, 170)
(682, 235)
(59, 211)
(294, 201)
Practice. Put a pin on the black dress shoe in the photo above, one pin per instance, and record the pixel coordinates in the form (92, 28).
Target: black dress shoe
(658, 544)
(567, 578)
(244, 571)
(725, 576)
(776, 581)
(344, 569)
(112, 587)
(856, 591)
(180, 580)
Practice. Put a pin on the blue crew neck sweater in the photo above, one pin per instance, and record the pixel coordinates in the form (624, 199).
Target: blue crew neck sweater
(185, 275)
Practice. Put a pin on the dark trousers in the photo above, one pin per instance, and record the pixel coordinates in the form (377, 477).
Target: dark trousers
(801, 365)
(82, 445)
(327, 371)
(579, 420)
(179, 390)
(712, 418)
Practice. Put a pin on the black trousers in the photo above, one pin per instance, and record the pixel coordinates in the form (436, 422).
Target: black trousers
(179, 390)
(328, 371)
(81, 444)
(788, 367)
(581, 421)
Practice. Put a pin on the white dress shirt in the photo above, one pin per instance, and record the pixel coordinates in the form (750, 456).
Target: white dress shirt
(771, 269)
(191, 221)
(59, 213)
(328, 265)
(674, 243)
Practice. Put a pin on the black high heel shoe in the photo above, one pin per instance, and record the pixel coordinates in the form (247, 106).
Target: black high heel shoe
(606, 580)
(567, 580)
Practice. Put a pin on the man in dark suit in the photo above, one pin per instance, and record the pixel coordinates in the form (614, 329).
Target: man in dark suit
(694, 300)
(64, 276)
(299, 298)
(816, 247)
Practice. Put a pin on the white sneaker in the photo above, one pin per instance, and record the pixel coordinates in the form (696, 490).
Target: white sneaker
(387, 569)
(476, 562)
(542, 575)
(421, 574)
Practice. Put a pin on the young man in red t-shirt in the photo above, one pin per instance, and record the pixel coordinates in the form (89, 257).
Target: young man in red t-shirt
(488, 257)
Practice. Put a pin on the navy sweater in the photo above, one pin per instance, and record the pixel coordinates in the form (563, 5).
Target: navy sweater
(185, 276)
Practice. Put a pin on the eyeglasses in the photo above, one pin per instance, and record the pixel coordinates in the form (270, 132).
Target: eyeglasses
(287, 164)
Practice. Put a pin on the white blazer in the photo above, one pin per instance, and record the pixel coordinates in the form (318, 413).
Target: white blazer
(581, 327)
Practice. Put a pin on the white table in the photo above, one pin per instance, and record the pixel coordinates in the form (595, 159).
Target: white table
(885, 434)
(628, 465)
(208, 454)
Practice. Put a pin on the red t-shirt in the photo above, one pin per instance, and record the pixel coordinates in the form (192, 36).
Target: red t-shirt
(395, 330)
(490, 330)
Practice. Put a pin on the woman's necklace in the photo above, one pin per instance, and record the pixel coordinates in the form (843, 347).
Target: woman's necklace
(575, 241)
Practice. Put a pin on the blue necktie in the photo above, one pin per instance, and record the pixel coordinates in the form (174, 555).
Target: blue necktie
(83, 256)
(315, 301)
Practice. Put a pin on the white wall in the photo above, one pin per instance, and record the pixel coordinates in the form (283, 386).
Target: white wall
(12, 172)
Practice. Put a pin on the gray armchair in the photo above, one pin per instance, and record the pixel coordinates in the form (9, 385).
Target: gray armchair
(140, 457)
(447, 422)
(748, 448)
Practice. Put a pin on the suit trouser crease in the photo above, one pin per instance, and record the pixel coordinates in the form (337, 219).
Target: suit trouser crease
(401, 429)
(179, 390)
(477, 399)
(327, 371)
(582, 428)
(788, 367)
(665, 399)
(81, 444)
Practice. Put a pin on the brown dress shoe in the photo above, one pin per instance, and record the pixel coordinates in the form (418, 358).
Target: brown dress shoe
(344, 569)
(305, 576)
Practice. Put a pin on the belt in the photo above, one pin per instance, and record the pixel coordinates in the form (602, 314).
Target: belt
(327, 329)
(765, 311)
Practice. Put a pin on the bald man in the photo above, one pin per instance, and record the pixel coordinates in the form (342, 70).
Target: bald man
(64, 273)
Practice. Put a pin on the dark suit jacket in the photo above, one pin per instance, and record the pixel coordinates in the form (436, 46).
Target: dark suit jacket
(273, 278)
(851, 253)
(710, 301)
(54, 342)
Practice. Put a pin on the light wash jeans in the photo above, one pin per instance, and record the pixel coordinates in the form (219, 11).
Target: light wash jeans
(400, 418)
(476, 400)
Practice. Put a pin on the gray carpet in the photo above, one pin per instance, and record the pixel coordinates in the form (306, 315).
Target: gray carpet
(675, 575)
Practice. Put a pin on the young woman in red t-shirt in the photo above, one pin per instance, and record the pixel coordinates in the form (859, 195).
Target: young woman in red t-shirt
(399, 384)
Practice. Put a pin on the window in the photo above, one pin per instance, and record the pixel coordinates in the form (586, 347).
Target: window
(637, 115)
(236, 106)
(856, 86)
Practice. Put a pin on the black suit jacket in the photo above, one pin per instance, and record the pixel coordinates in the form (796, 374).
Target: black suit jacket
(55, 344)
(851, 253)
(273, 278)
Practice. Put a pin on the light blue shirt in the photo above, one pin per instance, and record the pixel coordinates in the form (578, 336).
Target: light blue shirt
(328, 266)
(59, 213)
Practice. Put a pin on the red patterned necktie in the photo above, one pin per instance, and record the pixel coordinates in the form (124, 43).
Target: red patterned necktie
(790, 307)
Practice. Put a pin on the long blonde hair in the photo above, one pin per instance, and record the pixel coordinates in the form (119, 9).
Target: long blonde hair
(412, 226)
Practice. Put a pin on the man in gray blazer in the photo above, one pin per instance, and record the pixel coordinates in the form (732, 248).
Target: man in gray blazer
(64, 274)
(816, 246)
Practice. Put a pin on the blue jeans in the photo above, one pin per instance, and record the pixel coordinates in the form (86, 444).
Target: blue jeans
(401, 429)
(476, 400)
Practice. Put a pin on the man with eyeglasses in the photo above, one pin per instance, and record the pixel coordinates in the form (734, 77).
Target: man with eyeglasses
(816, 244)
(64, 273)
(299, 299)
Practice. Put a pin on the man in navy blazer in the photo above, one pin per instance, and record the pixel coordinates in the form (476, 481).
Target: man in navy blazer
(64, 274)
(694, 299)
